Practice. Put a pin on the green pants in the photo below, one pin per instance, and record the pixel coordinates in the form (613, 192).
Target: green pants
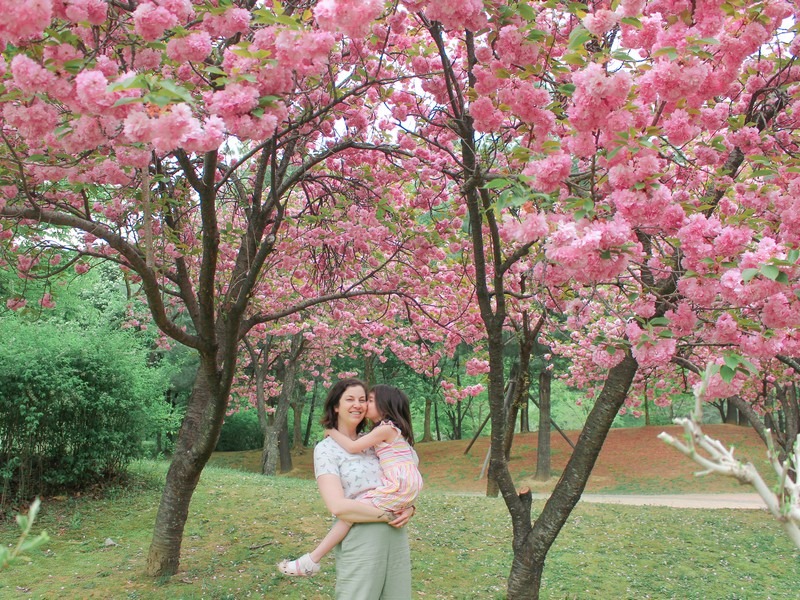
(373, 563)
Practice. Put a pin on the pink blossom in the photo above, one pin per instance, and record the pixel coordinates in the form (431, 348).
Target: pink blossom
(779, 311)
(91, 88)
(235, 99)
(152, 21)
(596, 96)
(600, 21)
(352, 17)
(533, 226)
(682, 320)
(476, 366)
(678, 127)
(15, 303)
(93, 12)
(466, 14)
(47, 301)
(30, 76)
(591, 251)
(607, 356)
(232, 21)
(81, 268)
(24, 19)
(486, 117)
(549, 173)
(195, 47)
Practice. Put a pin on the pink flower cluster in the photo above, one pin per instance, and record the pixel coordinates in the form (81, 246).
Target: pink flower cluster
(476, 366)
(195, 47)
(591, 251)
(175, 128)
(152, 19)
(649, 351)
(459, 14)
(23, 19)
(596, 96)
(232, 21)
(351, 17)
(550, 172)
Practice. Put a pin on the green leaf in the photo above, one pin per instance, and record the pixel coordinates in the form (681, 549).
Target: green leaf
(748, 274)
(659, 321)
(526, 12)
(727, 373)
(770, 272)
(496, 183)
(578, 37)
(567, 89)
(632, 21)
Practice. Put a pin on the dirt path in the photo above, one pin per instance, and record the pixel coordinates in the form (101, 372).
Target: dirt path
(741, 501)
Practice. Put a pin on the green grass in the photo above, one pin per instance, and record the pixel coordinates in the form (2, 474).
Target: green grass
(241, 524)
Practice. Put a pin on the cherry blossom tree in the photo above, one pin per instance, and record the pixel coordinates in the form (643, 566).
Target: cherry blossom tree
(177, 139)
(637, 158)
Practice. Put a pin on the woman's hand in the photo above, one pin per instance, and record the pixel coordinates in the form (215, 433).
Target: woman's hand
(403, 517)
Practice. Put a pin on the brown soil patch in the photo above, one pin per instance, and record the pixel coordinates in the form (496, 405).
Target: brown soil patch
(633, 460)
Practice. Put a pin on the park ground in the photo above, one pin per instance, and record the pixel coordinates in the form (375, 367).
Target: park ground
(242, 523)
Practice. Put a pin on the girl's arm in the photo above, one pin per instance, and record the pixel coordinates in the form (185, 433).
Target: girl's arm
(330, 488)
(382, 433)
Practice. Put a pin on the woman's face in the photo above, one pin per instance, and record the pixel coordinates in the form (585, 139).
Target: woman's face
(372, 410)
(352, 407)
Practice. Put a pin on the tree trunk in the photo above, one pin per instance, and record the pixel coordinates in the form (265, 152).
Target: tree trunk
(532, 543)
(732, 416)
(310, 420)
(543, 436)
(272, 453)
(284, 448)
(427, 436)
(196, 440)
(524, 419)
(297, 429)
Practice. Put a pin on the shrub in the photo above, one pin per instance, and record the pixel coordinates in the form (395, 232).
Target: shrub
(74, 405)
(241, 431)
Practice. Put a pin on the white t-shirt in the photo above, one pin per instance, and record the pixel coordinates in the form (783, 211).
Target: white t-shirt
(357, 472)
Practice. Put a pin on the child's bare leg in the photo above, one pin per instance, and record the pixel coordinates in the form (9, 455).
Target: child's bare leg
(336, 534)
(308, 564)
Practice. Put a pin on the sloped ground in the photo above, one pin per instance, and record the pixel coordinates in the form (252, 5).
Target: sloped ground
(633, 461)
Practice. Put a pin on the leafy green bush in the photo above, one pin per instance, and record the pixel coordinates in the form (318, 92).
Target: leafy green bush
(241, 431)
(74, 405)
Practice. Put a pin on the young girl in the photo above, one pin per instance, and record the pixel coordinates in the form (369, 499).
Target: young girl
(401, 483)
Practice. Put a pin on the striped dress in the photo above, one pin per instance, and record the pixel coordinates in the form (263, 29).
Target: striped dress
(402, 481)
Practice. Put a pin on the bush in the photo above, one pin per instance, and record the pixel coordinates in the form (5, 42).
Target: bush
(74, 405)
(241, 431)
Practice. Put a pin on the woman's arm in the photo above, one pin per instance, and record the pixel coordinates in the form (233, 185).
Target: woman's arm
(330, 488)
(382, 433)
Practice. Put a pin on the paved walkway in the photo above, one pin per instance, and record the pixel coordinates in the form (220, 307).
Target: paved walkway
(743, 501)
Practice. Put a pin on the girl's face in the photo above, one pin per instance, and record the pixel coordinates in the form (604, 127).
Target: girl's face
(372, 410)
(352, 407)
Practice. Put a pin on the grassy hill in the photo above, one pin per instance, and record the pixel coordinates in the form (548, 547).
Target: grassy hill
(242, 523)
(633, 460)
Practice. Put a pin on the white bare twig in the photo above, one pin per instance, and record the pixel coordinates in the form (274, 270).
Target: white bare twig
(714, 457)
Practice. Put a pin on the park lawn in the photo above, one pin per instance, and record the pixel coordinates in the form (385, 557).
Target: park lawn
(241, 524)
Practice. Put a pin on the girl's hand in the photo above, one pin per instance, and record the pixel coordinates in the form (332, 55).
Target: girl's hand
(403, 517)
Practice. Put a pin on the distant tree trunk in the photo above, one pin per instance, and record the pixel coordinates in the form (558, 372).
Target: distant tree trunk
(543, 437)
(524, 419)
(273, 451)
(310, 420)
(732, 414)
(297, 428)
(427, 436)
(284, 448)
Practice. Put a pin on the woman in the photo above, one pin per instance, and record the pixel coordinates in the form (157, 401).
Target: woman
(373, 562)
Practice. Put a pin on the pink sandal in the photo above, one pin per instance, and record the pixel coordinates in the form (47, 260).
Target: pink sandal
(301, 567)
